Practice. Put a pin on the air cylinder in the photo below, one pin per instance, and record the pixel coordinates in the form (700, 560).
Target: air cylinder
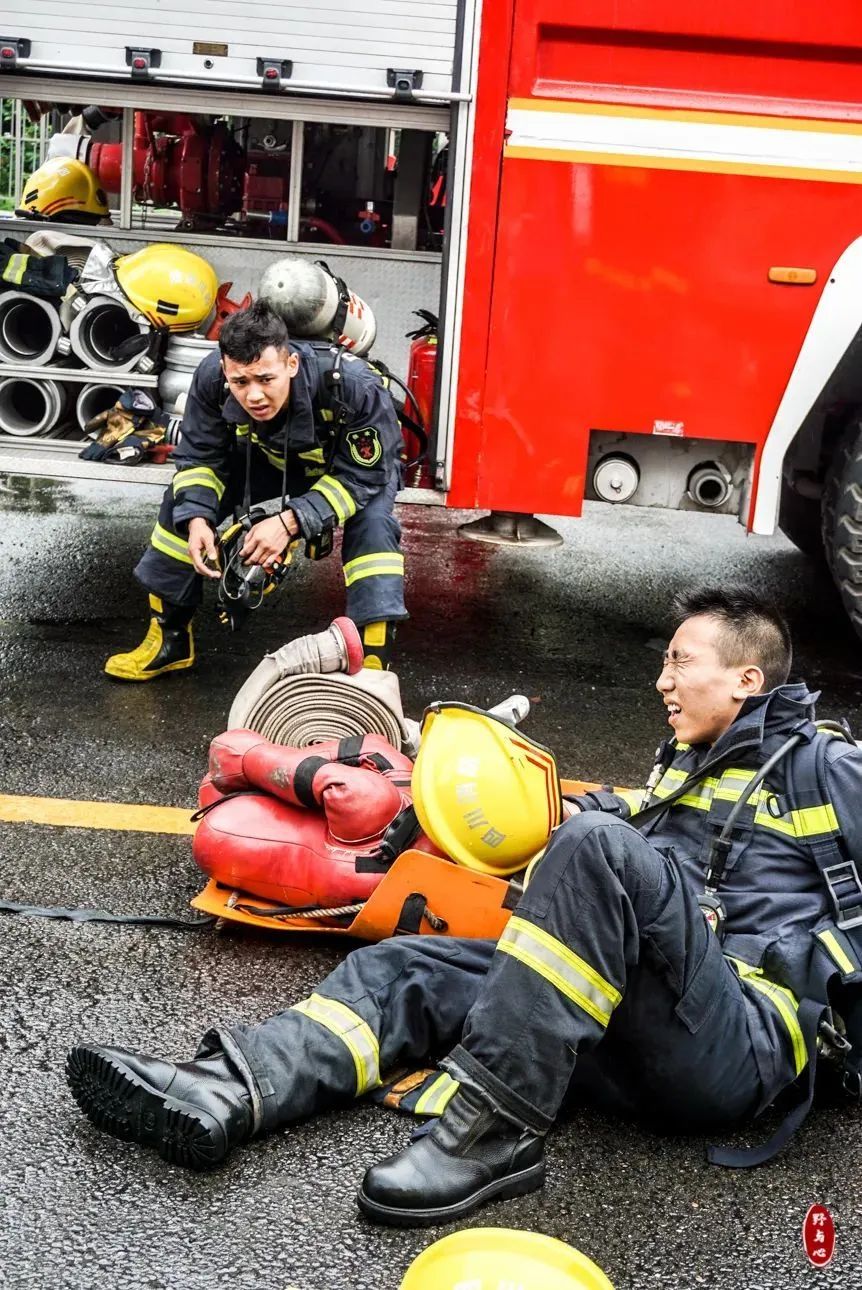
(314, 303)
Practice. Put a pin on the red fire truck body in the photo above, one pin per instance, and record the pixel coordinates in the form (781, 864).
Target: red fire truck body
(661, 195)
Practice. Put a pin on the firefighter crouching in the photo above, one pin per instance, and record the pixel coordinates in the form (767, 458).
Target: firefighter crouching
(265, 418)
(608, 981)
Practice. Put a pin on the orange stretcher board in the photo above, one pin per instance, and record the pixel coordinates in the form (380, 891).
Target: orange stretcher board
(469, 903)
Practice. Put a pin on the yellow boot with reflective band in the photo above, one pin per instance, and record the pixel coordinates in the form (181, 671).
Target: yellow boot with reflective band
(167, 647)
(378, 642)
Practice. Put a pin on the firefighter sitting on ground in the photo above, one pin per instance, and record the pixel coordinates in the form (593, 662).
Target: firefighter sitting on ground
(263, 419)
(608, 981)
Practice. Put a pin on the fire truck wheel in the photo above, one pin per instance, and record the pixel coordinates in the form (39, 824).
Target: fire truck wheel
(842, 521)
(799, 520)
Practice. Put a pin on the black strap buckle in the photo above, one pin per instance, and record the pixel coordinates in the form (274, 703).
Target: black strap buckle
(852, 1081)
(833, 1038)
(845, 892)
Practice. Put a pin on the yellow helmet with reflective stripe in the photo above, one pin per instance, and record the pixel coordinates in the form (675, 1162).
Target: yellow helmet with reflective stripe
(173, 287)
(64, 189)
(487, 795)
(486, 1258)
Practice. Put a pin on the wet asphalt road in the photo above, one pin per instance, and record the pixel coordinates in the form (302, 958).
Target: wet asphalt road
(579, 630)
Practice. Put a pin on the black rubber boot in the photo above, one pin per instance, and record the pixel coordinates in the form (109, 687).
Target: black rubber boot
(167, 647)
(472, 1155)
(193, 1113)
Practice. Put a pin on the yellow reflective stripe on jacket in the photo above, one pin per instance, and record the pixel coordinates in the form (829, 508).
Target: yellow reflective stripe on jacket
(271, 455)
(804, 822)
(356, 1034)
(16, 267)
(243, 432)
(337, 496)
(835, 951)
(436, 1098)
(631, 796)
(785, 1003)
(170, 544)
(203, 476)
(559, 965)
(314, 463)
(373, 566)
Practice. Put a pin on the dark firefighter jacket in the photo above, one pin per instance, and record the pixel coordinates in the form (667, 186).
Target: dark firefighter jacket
(352, 456)
(780, 917)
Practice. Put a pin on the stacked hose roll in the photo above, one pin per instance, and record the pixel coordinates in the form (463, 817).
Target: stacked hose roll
(184, 353)
(299, 711)
(315, 689)
(94, 399)
(30, 328)
(76, 305)
(100, 329)
(30, 407)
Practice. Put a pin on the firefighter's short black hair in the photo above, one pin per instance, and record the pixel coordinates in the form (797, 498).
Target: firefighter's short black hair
(752, 630)
(246, 334)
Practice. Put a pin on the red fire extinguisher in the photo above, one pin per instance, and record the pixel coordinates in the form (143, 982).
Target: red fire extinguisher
(422, 369)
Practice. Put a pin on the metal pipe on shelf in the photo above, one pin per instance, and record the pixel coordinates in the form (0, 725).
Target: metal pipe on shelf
(94, 399)
(30, 329)
(29, 406)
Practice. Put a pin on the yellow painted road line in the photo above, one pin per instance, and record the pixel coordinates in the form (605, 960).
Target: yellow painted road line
(119, 816)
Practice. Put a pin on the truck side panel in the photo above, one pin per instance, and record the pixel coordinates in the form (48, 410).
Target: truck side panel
(631, 289)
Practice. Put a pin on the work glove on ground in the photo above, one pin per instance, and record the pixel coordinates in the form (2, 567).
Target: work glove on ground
(128, 431)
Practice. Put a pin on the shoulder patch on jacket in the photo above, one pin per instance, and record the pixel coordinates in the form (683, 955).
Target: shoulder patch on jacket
(364, 445)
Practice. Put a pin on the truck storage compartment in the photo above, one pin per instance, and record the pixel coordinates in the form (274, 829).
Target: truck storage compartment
(365, 192)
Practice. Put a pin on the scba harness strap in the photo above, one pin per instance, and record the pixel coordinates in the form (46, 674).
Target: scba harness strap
(836, 974)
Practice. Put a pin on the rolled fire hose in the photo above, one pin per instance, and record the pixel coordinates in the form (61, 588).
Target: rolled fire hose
(94, 399)
(29, 328)
(299, 711)
(183, 355)
(30, 407)
(315, 688)
(99, 328)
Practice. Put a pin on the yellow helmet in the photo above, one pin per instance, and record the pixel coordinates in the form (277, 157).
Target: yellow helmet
(486, 1258)
(64, 190)
(484, 793)
(173, 287)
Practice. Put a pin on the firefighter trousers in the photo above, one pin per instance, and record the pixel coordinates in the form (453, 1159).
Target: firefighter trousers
(606, 981)
(370, 549)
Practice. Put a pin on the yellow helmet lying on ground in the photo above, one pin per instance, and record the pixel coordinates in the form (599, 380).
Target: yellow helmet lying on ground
(64, 190)
(171, 286)
(487, 795)
(487, 1258)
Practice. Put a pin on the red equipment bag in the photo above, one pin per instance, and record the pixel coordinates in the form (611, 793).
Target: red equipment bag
(299, 826)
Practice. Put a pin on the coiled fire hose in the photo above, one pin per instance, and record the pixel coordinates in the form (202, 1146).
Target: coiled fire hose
(299, 711)
(315, 688)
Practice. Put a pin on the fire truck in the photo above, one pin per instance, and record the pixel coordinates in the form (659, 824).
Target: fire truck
(638, 221)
